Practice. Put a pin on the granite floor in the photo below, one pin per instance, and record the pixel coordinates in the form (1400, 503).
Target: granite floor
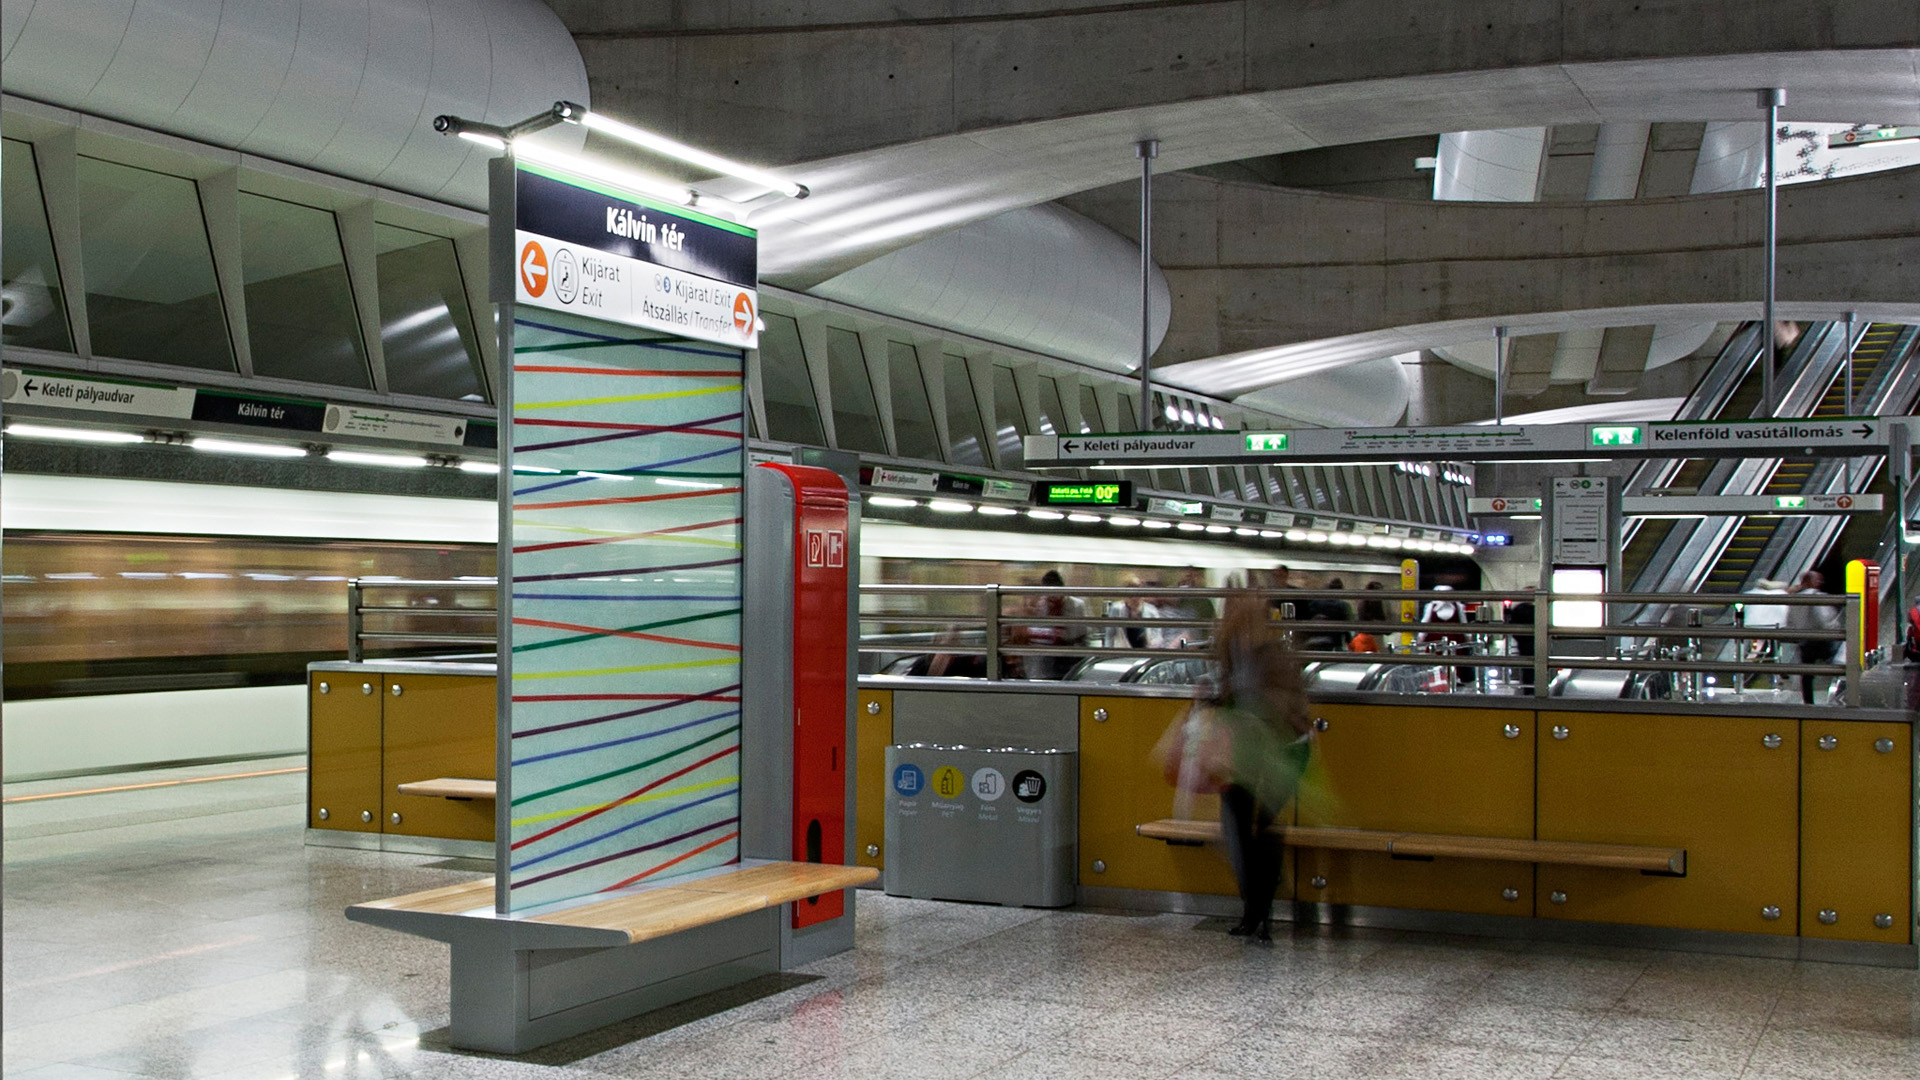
(184, 931)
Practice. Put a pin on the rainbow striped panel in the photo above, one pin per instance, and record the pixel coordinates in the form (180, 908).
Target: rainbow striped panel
(627, 462)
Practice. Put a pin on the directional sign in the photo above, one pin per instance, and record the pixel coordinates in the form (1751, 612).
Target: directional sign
(1509, 504)
(1742, 438)
(95, 395)
(1873, 137)
(1730, 505)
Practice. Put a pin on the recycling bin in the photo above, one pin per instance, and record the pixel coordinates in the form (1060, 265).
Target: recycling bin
(996, 826)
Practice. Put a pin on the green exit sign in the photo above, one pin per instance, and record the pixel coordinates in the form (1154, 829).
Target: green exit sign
(1614, 435)
(1266, 441)
(1790, 502)
(1108, 493)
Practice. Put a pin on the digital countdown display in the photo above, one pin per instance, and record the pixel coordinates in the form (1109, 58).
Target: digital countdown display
(1100, 493)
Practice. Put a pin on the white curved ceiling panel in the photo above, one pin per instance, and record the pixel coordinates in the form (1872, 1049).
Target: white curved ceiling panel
(13, 19)
(154, 69)
(1042, 278)
(1371, 393)
(386, 104)
(65, 48)
(350, 87)
(251, 50)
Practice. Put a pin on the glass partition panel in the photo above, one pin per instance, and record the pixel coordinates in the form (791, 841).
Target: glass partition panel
(968, 434)
(31, 308)
(1053, 413)
(1090, 412)
(1010, 424)
(425, 325)
(300, 318)
(1200, 481)
(793, 415)
(856, 420)
(912, 413)
(151, 292)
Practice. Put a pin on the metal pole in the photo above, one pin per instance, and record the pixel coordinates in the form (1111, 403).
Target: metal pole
(1771, 100)
(502, 219)
(1147, 149)
(992, 598)
(1499, 375)
(1852, 316)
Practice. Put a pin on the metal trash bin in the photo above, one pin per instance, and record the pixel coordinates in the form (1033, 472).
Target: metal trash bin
(995, 826)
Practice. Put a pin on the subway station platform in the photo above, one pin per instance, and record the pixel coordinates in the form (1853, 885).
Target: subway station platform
(178, 928)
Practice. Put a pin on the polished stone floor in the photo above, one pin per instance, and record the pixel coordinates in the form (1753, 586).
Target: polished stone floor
(183, 931)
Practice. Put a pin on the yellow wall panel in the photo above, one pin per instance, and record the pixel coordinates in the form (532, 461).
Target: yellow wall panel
(438, 726)
(1363, 877)
(1709, 784)
(1856, 830)
(1120, 788)
(343, 764)
(873, 733)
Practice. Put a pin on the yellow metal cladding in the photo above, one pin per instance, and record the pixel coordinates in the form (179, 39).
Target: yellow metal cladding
(1120, 787)
(873, 733)
(1856, 831)
(437, 726)
(1420, 769)
(1709, 784)
(343, 766)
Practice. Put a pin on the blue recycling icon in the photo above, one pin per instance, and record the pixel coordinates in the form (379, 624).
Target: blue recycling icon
(908, 780)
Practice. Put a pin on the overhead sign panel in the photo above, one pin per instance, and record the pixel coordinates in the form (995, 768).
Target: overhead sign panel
(1099, 493)
(588, 249)
(1504, 504)
(1741, 437)
(1656, 505)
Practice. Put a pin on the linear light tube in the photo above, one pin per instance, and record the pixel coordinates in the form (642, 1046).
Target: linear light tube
(483, 139)
(388, 461)
(1083, 519)
(889, 500)
(1155, 524)
(254, 449)
(1123, 521)
(41, 431)
(1218, 530)
(949, 506)
(1045, 515)
(490, 467)
(678, 194)
(998, 511)
(660, 144)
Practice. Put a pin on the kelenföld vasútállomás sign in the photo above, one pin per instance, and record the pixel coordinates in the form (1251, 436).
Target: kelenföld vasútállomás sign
(585, 248)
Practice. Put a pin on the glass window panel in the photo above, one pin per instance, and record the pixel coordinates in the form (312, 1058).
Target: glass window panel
(151, 293)
(1090, 411)
(1053, 412)
(1010, 424)
(968, 434)
(912, 413)
(426, 327)
(300, 318)
(1200, 481)
(793, 415)
(31, 311)
(856, 422)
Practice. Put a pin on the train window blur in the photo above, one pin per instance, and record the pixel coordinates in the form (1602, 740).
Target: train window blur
(912, 413)
(793, 415)
(968, 436)
(31, 309)
(122, 613)
(1009, 420)
(856, 420)
(151, 293)
(1090, 411)
(426, 328)
(300, 318)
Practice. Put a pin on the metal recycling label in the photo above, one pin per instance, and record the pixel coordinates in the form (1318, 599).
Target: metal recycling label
(586, 249)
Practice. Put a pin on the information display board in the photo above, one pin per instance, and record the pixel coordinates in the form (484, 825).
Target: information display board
(627, 446)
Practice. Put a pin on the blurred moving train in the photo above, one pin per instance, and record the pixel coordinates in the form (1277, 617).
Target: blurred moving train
(151, 622)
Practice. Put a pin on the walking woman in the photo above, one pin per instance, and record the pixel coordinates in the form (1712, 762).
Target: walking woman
(1262, 701)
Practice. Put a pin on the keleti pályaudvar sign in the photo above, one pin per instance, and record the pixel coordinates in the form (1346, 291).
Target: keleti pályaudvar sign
(584, 248)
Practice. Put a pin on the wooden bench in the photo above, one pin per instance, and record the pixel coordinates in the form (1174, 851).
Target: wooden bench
(1651, 860)
(532, 977)
(447, 787)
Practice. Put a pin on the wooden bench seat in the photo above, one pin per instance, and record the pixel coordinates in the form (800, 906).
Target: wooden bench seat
(1657, 860)
(448, 787)
(643, 912)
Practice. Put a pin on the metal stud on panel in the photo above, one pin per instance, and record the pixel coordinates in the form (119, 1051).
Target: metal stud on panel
(366, 688)
(324, 688)
(1771, 741)
(873, 708)
(1560, 731)
(1770, 912)
(1883, 920)
(323, 814)
(873, 851)
(395, 818)
(1883, 746)
(1511, 731)
(1099, 866)
(1557, 897)
(1099, 716)
(1318, 882)
(1828, 916)
(396, 689)
(1828, 742)
(366, 815)
(1509, 894)
(1320, 723)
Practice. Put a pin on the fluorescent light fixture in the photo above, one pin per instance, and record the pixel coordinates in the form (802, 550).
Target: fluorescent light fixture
(666, 481)
(1186, 416)
(537, 470)
(253, 449)
(1271, 534)
(1123, 521)
(892, 501)
(1467, 549)
(1218, 530)
(1578, 612)
(92, 435)
(1382, 542)
(949, 506)
(483, 139)
(1046, 515)
(1000, 511)
(1153, 524)
(490, 467)
(1296, 535)
(1246, 532)
(678, 194)
(660, 144)
(1316, 537)
(1083, 519)
(1191, 526)
(385, 461)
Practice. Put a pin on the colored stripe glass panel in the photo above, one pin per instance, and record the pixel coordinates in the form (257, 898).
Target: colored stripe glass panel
(625, 718)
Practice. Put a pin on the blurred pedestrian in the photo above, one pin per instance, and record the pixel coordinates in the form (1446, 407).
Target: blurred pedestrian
(1261, 699)
(1056, 604)
(1812, 617)
(1130, 635)
(1521, 616)
(1328, 609)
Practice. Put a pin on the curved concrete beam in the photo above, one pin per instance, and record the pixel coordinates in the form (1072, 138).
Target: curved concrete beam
(1285, 282)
